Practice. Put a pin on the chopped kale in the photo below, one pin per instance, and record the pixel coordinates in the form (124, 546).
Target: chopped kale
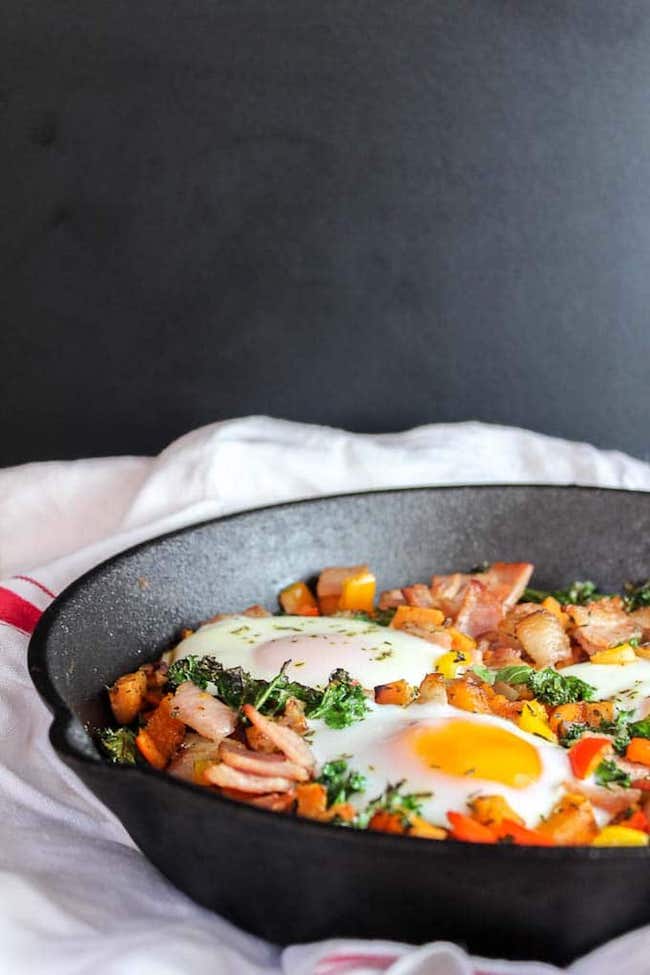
(609, 773)
(119, 746)
(393, 800)
(340, 781)
(189, 668)
(636, 595)
(486, 675)
(548, 686)
(342, 703)
(576, 593)
(639, 729)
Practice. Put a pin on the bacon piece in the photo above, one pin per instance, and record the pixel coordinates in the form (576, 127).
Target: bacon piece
(235, 754)
(286, 740)
(211, 718)
(603, 624)
(543, 638)
(479, 611)
(613, 799)
(277, 802)
(418, 595)
(447, 592)
(507, 581)
(191, 758)
(231, 778)
(391, 599)
(500, 656)
(642, 618)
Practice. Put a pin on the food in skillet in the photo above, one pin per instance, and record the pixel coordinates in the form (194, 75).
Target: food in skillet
(472, 708)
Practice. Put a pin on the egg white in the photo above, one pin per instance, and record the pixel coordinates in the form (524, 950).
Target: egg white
(627, 684)
(375, 748)
(315, 646)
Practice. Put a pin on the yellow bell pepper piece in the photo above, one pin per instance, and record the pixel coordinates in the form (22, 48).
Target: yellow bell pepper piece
(622, 654)
(460, 640)
(551, 604)
(453, 664)
(621, 836)
(534, 720)
(358, 593)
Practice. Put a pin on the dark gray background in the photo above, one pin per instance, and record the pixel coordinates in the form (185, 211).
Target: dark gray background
(358, 212)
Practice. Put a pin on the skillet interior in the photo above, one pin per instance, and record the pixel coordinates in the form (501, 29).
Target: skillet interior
(292, 881)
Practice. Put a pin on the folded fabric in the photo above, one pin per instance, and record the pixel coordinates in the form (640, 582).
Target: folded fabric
(77, 895)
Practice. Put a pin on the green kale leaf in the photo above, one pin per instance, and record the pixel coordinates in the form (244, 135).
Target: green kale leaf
(119, 746)
(340, 781)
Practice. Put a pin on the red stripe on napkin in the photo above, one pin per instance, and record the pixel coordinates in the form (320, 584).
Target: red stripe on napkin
(17, 612)
(39, 585)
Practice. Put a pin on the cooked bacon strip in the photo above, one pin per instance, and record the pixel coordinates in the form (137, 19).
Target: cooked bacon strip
(642, 618)
(507, 581)
(276, 801)
(479, 611)
(447, 592)
(193, 753)
(293, 746)
(418, 595)
(391, 599)
(235, 754)
(227, 777)
(501, 655)
(613, 799)
(603, 624)
(543, 638)
(211, 718)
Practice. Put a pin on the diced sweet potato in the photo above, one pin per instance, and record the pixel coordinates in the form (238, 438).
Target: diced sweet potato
(417, 615)
(571, 823)
(161, 736)
(491, 810)
(127, 696)
(468, 696)
(397, 692)
(384, 821)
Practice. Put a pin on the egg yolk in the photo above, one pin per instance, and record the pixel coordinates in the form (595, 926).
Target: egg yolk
(483, 751)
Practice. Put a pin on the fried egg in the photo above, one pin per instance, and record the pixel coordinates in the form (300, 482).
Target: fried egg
(451, 755)
(315, 646)
(627, 684)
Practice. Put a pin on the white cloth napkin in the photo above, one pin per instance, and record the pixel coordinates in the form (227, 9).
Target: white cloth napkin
(76, 896)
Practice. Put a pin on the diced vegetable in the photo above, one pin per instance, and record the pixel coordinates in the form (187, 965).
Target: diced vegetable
(623, 654)
(127, 696)
(161, 736)
(491, 810)
(433, 690)
(453, 664)
(461, 641)
(587, 754)
(510, 831)
(639, 751)
(358, 593)
(469, 830)
(298, 600)
(397, 692)
(468, 697)
(572, 822)
(534, 720)
(621, 836)
(417, 615)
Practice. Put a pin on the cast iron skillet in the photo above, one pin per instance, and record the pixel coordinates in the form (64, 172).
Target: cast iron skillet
(290, 880)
